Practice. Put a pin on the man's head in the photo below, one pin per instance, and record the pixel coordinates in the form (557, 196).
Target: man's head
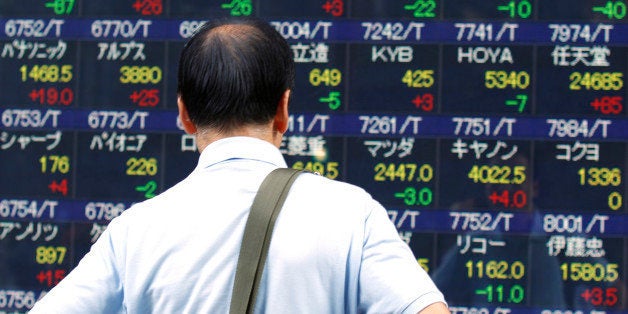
(233, 73)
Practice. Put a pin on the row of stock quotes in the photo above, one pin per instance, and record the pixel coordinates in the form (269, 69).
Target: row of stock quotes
(494, 132)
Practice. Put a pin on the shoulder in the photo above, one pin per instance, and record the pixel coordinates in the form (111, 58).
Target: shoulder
(164, 201)
(336, 198)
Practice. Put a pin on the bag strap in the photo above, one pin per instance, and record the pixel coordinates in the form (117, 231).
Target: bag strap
(256, 240)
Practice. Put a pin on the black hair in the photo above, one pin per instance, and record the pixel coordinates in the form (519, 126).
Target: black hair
(233, 72)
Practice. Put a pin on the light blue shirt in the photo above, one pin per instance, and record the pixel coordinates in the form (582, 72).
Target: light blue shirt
(333, 250)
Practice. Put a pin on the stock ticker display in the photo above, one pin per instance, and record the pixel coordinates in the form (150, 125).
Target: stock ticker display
(494, 132)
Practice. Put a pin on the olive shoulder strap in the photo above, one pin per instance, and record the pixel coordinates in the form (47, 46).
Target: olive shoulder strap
(256, 240)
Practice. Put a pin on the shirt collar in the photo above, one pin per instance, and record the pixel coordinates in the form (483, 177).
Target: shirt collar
(240, 147)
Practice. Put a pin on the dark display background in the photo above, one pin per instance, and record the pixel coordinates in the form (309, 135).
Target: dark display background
(495, 133)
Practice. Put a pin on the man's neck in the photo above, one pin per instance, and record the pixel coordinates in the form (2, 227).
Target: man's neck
(206, 136)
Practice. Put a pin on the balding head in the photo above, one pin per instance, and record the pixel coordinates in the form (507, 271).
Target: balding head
(233, 72)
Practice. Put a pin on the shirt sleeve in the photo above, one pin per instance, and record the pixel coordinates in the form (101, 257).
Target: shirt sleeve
(94, 286)
(391, 280)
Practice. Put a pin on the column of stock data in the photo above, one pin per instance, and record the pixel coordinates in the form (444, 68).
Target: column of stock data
(494, 133)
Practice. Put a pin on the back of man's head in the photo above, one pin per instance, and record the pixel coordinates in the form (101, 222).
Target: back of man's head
(233, 72)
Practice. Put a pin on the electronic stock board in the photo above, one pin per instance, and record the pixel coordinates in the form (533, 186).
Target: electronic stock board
(494, 132)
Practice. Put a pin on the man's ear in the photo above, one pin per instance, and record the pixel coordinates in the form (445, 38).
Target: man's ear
(188, 126)
(280, 121)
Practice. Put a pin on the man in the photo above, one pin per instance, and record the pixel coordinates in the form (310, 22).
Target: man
(333, 250)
